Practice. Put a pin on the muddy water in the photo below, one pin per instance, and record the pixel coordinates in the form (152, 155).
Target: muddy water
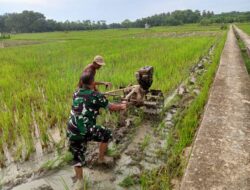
(140, 155)
(16, 173)
(19, 172)
(61, 179)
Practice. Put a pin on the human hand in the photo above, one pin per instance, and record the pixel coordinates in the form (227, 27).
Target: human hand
(123, 106)
(108, 84)
(124, 102)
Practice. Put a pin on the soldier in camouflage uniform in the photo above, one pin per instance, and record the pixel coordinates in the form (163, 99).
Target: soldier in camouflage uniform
(82, 125)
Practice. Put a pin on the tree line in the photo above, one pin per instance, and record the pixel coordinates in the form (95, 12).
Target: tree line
(30, 21)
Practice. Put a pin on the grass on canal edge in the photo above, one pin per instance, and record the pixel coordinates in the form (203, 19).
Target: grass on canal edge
(244, 54)
(246, 28)
(182, 135)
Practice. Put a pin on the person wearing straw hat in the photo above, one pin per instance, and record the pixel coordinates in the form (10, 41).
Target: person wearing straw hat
(90, 69)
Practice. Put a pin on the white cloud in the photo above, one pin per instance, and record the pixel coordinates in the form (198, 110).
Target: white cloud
(115, 10)
(32, 2)
(23, 1)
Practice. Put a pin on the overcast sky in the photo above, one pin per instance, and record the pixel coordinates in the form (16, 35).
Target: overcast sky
(116, 10)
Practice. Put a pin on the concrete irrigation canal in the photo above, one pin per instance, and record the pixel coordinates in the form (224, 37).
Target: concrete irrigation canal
(220, 158)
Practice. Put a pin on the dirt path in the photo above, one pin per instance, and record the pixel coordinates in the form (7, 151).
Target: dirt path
(13, 43)
(220, 157)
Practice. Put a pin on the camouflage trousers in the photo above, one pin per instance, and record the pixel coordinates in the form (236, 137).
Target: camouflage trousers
(78, 148)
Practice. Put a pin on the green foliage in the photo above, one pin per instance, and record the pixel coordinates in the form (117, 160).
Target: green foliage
(245, 27)
(145, 142)
(65, 186)
(155, 180)
(85, 185)
(174, 18)
(244, 54)
(58, 161)
(37, 81)
(30, 21)
(205, 22)
(4, 36)
(183, 133)
(127, 182)
(113, 151)
(223, 26)
(185, 129)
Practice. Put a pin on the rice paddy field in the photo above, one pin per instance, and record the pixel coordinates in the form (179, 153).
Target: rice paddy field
(245, 27)
(40, 71)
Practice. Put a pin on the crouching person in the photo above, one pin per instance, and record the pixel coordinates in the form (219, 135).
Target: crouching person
(82, 125)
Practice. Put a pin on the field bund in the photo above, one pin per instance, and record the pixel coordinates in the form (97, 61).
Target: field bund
(245, 38)
(220, 155)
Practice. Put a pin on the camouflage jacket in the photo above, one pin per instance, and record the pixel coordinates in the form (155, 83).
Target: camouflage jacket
(85, 108)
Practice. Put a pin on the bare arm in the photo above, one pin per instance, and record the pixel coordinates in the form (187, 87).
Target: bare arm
(117, 107)
(107, 84)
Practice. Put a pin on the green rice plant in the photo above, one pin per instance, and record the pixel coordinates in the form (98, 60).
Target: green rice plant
(18, 152)
(245, 27)
(25, 130)
(145, 142)
(58, 161)
(244, 54)
(108, 119)
(1, 183)
(86, 183)
(139, 118)
(113, 151)
(155, 179)
(127, 182)
(38, 80)
(183, 133)
(65, 186)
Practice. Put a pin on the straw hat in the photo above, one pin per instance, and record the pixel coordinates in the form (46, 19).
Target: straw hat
(99, 60)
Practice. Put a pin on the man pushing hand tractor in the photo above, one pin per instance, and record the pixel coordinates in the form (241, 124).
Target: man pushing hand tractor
(90, 69)
(86, 105)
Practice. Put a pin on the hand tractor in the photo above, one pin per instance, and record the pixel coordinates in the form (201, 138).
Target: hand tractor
(140, 95)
